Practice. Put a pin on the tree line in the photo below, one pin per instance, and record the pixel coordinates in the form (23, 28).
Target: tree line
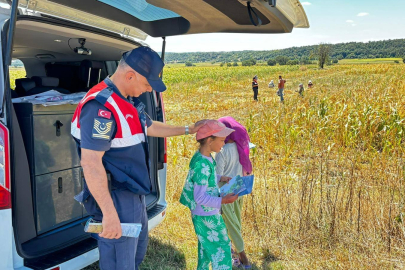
(352, 50)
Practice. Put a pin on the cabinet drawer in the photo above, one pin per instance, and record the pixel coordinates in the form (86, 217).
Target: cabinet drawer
(54, 147)
(54, 202)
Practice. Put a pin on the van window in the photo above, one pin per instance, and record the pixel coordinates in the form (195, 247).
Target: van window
(142, 10)
(111, 67)
(17, 71)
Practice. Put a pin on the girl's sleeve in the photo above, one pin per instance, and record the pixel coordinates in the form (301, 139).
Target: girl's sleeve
(201, 197)
(200, 179)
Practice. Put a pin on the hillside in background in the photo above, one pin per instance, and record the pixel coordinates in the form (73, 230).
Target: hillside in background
(352, 50)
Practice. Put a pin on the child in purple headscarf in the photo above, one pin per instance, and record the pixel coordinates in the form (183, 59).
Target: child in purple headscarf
(234, 160)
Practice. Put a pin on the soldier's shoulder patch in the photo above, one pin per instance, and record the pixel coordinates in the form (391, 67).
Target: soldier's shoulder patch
(102, 129)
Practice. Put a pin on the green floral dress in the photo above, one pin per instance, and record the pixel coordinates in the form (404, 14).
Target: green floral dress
(213, 242)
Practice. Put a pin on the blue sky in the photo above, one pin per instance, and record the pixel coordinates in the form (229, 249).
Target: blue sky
(331, 21)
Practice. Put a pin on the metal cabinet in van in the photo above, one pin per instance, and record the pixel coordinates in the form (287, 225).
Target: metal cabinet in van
(40, 223)
(53, 161)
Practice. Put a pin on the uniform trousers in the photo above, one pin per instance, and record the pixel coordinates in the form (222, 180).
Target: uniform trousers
(125, 253)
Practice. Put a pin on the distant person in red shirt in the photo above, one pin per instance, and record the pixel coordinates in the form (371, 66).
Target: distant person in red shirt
(281, 83)
(255, 87)
(310, 84)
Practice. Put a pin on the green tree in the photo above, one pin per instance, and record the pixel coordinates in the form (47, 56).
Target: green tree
(250, 62)
(335, 61)
(305, 60)
(351, 56)
(322, 53)
(271, 62)
(228, 64)
(282, 60)
(292, 62)
(235, 64)
(189, 64)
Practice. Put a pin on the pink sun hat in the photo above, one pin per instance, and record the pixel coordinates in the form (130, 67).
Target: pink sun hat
(213, 128)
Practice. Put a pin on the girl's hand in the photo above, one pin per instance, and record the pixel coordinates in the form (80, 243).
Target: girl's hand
(230, 198)
(225, 179)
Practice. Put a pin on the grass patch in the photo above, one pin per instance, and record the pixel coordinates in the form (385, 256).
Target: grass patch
(371, 61)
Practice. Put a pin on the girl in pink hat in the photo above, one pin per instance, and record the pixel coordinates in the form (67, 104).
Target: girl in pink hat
(201, 194)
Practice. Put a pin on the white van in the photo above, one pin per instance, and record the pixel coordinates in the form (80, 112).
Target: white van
(69, 46)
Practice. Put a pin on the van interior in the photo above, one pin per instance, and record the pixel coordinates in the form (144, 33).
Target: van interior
(46, 172)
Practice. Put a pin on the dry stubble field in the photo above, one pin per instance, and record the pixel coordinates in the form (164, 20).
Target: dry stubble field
(329, 167)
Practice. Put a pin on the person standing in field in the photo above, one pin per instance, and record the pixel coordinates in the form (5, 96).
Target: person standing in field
(201, 195)
(281, 83)
(255, 87)
(301, 89)
(234, 160)
(109, 142)
(310, 84)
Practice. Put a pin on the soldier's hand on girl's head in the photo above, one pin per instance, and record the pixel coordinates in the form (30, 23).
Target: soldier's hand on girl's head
(225, 179)
(194, 128)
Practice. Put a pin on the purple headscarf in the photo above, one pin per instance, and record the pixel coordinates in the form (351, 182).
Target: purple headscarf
(241, 138)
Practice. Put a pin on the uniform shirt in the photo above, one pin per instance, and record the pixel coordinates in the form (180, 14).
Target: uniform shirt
(126, 164)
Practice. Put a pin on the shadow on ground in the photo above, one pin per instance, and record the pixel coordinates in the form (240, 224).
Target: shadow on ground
(270, 261)
(160, 256)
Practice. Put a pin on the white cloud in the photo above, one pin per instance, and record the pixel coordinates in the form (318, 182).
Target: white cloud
(306, 3)
(350, 21)
(362, 14)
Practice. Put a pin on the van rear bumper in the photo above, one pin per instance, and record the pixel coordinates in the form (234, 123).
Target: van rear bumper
(156, 215)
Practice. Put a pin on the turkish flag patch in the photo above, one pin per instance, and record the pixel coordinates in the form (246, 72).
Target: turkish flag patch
(104, 114)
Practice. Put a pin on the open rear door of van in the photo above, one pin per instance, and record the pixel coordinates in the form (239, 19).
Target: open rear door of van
(159, 18)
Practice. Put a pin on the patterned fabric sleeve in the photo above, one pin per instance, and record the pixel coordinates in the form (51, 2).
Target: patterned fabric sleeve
(203, 198)
(201, 173)
(203, 194)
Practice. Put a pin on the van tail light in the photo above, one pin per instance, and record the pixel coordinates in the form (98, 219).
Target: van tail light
(164, 121)
(5, 195)
(165, 158)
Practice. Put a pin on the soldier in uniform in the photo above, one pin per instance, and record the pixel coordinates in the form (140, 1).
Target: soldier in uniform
(110, 127)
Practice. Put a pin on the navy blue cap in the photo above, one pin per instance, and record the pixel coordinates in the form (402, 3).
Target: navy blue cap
(146, 62)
